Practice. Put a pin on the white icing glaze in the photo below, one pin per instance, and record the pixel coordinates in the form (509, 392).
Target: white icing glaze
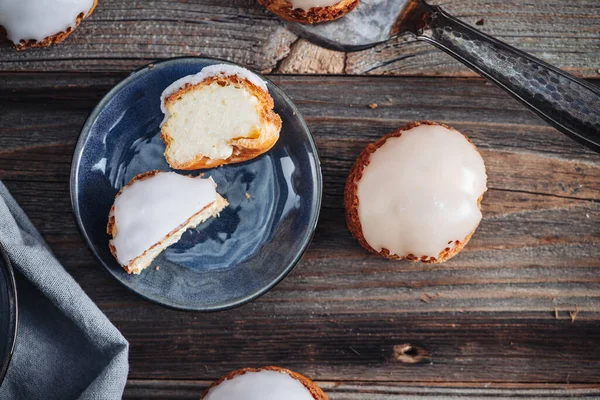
(148, 210)
(210, 71)
(308, 4)
(39, 19)
(420, 192)
(261, 385)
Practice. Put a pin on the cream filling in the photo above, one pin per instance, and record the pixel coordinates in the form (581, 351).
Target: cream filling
(148, 210)
(261, 385)
(419, 193)
(308, 4)
(210, 71)
(39, 19)
(206, 119)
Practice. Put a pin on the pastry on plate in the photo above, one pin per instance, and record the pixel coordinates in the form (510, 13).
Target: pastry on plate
(415, 194)
(153, 210)
(40, 23)
(222, 115)
(268, 383)
(309, 11)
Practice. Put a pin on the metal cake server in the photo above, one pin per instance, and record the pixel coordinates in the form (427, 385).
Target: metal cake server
(569, 104)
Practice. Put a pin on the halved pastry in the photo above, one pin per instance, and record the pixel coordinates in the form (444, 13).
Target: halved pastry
(153, 210)
(222, 115)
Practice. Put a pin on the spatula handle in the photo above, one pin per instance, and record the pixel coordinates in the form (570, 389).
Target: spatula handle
(569, 104)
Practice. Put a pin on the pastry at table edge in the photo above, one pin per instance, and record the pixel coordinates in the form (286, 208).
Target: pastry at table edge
(144, 260)
(48, 40)
(314, 15)
(235, 84)
(351, 201)
(314, 390)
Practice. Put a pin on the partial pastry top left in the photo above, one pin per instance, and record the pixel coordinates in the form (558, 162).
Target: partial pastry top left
(41, 23)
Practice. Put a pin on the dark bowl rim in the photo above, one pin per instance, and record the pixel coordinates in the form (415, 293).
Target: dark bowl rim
(73, 186)
(13, 310)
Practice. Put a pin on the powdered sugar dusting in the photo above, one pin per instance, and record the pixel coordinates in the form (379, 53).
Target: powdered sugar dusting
(208, 72)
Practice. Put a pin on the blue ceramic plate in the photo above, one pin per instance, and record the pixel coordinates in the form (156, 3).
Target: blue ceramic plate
(274, 200)
(8, 313)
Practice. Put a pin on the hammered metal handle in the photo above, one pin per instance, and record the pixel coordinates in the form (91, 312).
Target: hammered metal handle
(569, 104)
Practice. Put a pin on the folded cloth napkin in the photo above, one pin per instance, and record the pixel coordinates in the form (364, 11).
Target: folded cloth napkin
(65, 348)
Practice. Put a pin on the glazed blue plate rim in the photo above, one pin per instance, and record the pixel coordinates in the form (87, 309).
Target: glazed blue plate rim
(74, 188)
(13, 310)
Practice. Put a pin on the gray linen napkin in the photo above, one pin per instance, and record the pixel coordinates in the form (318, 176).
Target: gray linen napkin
(66, 348)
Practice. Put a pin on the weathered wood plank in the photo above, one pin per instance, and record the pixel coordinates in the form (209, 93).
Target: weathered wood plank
(144, 389)
(486, 316)
(337, 106)
(123, 36)
(563, 33)
(307, 58)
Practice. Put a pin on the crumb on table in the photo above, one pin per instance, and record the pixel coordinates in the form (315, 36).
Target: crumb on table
(373, 106)
(157, 267)
(248, 195)
(573, 314)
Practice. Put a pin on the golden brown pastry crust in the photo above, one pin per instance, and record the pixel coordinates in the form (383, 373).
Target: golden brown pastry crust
(283, 9)
(314, 390)
(50, 40)
(351, 202)
(111, 227)
(243, 148)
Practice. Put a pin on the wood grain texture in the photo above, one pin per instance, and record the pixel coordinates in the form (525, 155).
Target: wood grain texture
(364, 326)
(122, 36)
(563, 33)
(126, 35)
(307, 58)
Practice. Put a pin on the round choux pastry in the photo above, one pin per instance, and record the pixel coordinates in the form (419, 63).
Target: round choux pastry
(415, 194)
(309, 11)
(41, 23)
(267, 383)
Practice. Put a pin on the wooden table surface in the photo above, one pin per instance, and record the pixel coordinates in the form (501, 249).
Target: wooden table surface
(516, 314)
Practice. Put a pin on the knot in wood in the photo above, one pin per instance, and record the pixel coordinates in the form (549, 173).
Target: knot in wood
(410, 354)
